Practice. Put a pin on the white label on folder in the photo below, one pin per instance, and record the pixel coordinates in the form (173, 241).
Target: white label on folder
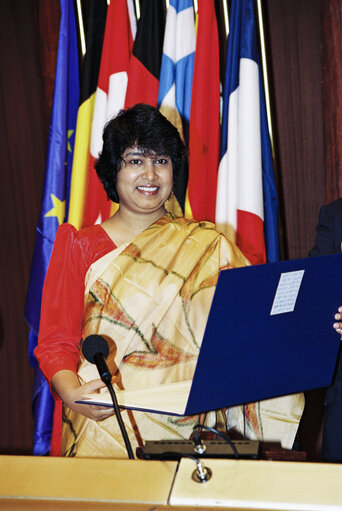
(287, 292)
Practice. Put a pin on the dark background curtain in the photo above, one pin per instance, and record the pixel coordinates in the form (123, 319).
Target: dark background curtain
(28, 42)
(304, 62)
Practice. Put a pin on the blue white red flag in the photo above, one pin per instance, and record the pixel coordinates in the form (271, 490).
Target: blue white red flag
(246, 205)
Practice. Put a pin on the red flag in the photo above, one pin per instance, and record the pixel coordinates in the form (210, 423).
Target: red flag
(110, 98)
(144, 69)
(204, 135)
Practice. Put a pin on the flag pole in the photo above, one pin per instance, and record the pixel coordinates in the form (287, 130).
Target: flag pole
(226, 17)
(81, 27)
(265, 76)
(137, 8)
(282, 248)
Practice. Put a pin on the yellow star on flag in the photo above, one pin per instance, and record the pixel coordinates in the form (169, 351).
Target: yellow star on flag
(58, 209)
(70, 132)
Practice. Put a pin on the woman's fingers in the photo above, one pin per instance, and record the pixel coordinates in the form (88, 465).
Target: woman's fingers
(92, 386)
(93, 412)
(101, 413)
(96, 413)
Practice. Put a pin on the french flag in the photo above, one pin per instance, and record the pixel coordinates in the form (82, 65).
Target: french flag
(246, 201)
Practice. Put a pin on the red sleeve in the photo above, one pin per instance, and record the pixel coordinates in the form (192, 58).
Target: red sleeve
(63, 303)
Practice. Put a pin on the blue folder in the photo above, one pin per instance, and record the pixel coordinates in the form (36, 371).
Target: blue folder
(247, 354)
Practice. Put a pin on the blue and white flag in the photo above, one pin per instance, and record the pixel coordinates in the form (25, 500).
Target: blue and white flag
(54, 206)
(176, 73)
(175, 83)
(246, 206)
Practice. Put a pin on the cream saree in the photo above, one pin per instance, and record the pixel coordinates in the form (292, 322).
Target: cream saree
(151, 300)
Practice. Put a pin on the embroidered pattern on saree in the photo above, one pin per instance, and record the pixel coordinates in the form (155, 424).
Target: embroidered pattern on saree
(151, 303)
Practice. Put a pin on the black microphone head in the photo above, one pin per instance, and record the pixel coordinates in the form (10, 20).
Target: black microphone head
(94, 344)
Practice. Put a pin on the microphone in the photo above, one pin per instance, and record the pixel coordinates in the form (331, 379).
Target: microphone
(95, 349)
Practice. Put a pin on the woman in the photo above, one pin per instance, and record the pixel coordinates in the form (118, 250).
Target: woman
(143, 279)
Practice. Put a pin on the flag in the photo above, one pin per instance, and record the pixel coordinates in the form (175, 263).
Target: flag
(144, 67)
(96, 20)
(246, 208)
(110, 98)
(176, 75)
(53, 209)
(204, 137)
(94, 37)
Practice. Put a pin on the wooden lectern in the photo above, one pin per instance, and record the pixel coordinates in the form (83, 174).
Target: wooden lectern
(39, 483)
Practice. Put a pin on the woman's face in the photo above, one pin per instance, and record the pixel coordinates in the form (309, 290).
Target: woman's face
(144, 182)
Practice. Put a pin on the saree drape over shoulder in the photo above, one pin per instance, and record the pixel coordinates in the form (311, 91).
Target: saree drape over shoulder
(151, 300)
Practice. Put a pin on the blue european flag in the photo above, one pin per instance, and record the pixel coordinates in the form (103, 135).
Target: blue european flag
(54, 206)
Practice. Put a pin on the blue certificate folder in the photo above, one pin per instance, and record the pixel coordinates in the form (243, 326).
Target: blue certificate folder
(249, 354)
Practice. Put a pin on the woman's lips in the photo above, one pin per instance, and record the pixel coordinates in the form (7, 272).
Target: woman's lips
(150, 190)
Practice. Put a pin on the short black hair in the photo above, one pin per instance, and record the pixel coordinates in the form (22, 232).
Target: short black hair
(146, 128)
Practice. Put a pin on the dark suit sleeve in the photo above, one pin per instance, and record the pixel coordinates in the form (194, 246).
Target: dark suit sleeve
(328, 230)
(328, 241)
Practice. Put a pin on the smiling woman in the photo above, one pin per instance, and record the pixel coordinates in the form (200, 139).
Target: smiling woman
(144, 280)
(144, 182)
(143, 130)
(141, 153)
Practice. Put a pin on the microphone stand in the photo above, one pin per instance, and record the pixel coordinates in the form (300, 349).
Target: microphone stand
(106, 377)
(120, 421)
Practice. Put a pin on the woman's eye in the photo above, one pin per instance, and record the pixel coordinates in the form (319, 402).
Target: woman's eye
(162, 161)
(135, 162)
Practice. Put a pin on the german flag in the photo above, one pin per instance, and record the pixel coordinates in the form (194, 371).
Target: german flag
(91, 63)
(96, 20)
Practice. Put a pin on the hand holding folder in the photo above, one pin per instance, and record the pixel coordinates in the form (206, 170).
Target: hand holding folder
(269, 353)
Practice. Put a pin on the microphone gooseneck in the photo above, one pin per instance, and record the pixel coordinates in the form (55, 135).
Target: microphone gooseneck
(95, 349)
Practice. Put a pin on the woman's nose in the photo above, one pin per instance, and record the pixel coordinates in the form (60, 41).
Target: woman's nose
(149, 170)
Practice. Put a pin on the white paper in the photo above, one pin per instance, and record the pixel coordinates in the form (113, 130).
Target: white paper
(287, 292)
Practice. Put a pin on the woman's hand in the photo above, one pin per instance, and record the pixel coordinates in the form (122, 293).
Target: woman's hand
(338, 316)
(67, 386)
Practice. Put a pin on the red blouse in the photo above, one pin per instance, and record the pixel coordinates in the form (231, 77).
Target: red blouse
(63, 296)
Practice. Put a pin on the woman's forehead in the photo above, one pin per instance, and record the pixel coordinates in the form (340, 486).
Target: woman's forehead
(142, 151)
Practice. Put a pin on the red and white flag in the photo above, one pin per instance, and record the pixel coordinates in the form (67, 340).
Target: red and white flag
(110, 98)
